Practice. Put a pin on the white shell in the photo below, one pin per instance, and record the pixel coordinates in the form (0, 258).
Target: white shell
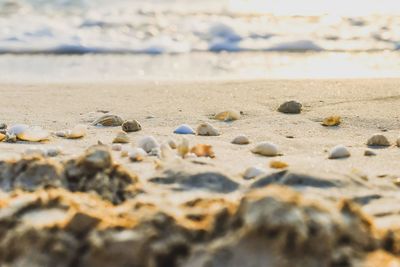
(253, 172)
(17, 129)
(266, 149)
(33, 134)
(116, 147)
(137, 154)
(206, 129)
(378, 140)
(241, 140)
(184, 129)
(339, 152)
(147, 143)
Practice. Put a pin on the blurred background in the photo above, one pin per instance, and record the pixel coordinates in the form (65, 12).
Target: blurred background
(128, 40)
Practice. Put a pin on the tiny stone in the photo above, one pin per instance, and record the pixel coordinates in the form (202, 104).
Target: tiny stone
(131, 126)
(116, 147)
(290, 107)
(369, 153)
(241, 140)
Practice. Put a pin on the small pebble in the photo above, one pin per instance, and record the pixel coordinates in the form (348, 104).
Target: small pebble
(378, 140)
(253, 172)
(206, 129)
(229, 115)
(276, 164)
(332, 121)
(266, 149)
(121, 138)
(241, 140)
(131, 126)
(369, 153)
(172, 143)
(290, 107)
(53, 151)
(184, 129)
(339, 152)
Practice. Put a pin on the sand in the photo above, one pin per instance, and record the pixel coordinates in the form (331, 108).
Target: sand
(366, 107)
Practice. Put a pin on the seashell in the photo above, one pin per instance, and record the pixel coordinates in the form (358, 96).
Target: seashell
(184, 129)
(35, 151)
(203, 150)
(121, 138)
(339, 152)
(378, 140)
(332, 121)
(131, 126)
(183, 147)
(17, 129)
(108, 120)
(369, 153)
(53, 151)
(147, 143)
(253, 172)
(78, 131)
(229, 115)
(276, 164)
(33, 134)
(241, 140)
(2, 137)
(206, 129)
(398, 142)
(137, 154)
(3, 126)
(266, 149)
(172, 143)
(290, 107)
(116, 147)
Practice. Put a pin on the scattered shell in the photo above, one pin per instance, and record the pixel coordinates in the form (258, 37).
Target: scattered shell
(53, 151)
(172, 143)
(332, 121)
(398, 142)
(2, 137)
(184, 129)
(206, 129)
(183, 147)
(229, 115)
(17, 129)
(33, 134)
(378, 140)
(121, 138)
(116, 147)
(3, 126)
(339, 152)
(253, 172)
(108, 120)
(78, 131)
(276, 164)
(266, 149)
(35, 151)
(369, 153)
(137, 154)
(203, 150)
(241, 140)
(290, 107)
(131, 126)
(147, 143)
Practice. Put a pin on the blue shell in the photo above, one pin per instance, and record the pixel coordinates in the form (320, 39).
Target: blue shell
(184, 129)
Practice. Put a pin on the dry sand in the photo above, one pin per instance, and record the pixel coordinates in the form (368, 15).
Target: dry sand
(366, 107)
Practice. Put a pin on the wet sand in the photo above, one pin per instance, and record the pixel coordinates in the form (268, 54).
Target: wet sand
(366, 107)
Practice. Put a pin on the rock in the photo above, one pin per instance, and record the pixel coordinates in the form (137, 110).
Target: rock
(253, 172)
(339, 152)
(331, 121)
(148, 143)
(206, 129)
(290, 107)
(241, 140)
(378, 140)
(203, 150)
(121, 138)
(229, 115)
(369, 153)
(108, 120)
(131, 126)
(97, 157)
(81, 223)
(266, 149)
(184, 129)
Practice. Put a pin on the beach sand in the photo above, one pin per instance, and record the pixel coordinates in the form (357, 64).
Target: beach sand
(365, 106)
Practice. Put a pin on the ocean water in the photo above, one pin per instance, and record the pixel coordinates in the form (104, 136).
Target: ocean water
(268, 39)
